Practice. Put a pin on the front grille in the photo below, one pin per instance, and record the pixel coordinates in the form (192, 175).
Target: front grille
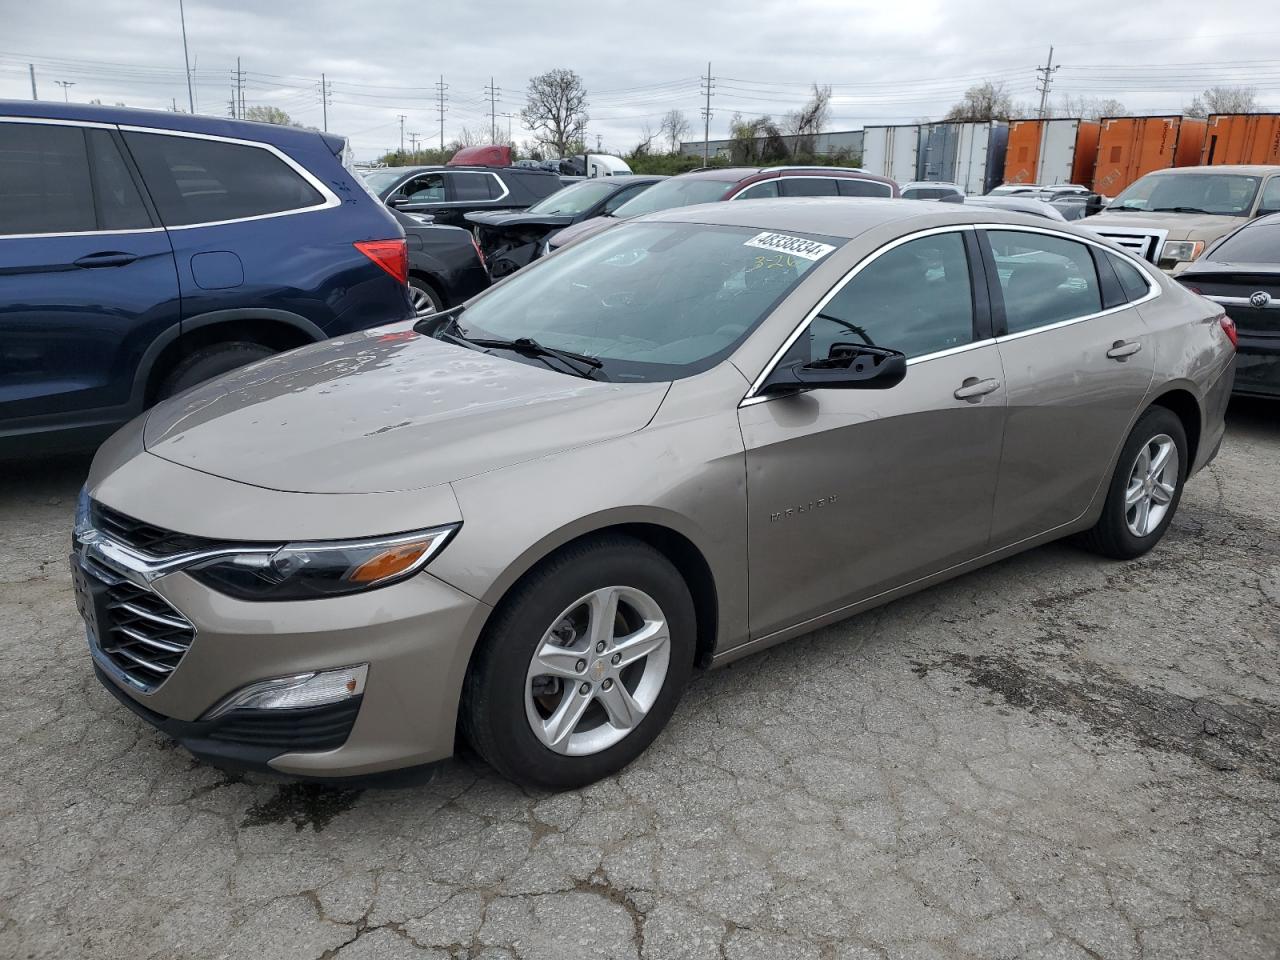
(144, 537)
(140, 633)
(1145, 245)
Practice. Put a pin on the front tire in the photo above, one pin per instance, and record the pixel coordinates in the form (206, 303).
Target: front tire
(209, 362)
(581, 666)
(1145, 488)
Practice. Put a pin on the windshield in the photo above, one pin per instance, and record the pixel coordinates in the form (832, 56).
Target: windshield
(574, 199)
(379, 180)
(676, 192)
(652, 301)
(1226, 194)
(1257, 243)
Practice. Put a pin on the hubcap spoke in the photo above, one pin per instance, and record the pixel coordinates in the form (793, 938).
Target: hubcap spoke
(1160, 460)
(557, 661)
(1136, 492)
(558, 727)
(624, 713)
(640, 644)
(603, 610)
(1162, 493)
(1143, 519)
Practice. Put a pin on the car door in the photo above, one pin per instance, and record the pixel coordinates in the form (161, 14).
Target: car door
(854, 492)
(422, 193)
(87, 278)
(1078, 362)
(469, 190)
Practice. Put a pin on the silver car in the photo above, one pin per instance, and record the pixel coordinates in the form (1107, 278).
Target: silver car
(668, 446)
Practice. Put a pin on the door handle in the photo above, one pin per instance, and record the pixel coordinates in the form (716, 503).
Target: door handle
(975, 389)
(1122, 348)
(109, 258)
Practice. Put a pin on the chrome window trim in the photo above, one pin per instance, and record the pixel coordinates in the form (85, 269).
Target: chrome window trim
(1153, 288)
(752, 395)
(506, 192)
(329, 198)
(888, 190)
(90, 124)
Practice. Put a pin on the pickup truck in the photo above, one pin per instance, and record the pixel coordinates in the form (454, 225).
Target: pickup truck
(1169, 217)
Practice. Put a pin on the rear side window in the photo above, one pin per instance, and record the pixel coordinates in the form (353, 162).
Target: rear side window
(474, 186)
(916, 298)
(44, 180)
(1133, 283)
(120, 205)
(851, 187)
(757, 191)
(208, 181)
(1044, 279)
(808, 187)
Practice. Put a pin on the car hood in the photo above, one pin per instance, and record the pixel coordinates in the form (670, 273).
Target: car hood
(387, 410)
(496, 219)
(584, 229)
(1180, 226)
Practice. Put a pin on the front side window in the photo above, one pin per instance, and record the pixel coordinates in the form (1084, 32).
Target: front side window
(44, 180)
(808, 187)
(1223, 194)
(916, 298)
(676, 192)
(426, 188)
(208, 181)
(653, 301)
(1044, 279)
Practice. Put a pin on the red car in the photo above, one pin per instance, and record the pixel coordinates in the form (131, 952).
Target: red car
(735, 183)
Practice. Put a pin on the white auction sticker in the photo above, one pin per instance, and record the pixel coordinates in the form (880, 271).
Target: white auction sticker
(796, 246)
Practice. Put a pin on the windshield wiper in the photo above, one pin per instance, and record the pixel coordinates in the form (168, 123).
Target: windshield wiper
(1178, 210)
(431, 324)
(577, 363)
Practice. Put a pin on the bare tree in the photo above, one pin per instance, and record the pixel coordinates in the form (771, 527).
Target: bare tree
(675, 127)
(556, 109)
(1224, 100)
(756, 141)
(984, 101)
(645, 147)
(1088, 108)
(805, 124)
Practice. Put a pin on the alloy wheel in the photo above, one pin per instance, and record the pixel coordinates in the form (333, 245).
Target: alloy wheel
(597, 671)
(421, 300)
(1153, 481)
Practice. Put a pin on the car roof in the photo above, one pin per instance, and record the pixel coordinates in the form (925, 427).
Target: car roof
(940, 184)
(1248, 169)
(844, 217)
(273, 133)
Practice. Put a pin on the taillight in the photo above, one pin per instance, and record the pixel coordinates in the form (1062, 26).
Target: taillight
(391, 255)
(1229, 328)
(479, 253)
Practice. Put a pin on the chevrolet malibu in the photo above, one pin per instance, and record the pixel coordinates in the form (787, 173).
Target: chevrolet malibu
(524, 522)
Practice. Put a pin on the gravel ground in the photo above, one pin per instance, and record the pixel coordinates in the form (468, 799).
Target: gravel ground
(1056, 757)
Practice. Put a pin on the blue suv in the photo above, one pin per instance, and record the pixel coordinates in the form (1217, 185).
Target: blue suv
(143, 252)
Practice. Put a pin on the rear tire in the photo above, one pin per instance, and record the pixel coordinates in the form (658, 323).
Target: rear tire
(503, 699)
(1119, 532)
(209, 362)
(425, 299)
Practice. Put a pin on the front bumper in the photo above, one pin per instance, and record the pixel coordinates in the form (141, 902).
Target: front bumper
(415, 636)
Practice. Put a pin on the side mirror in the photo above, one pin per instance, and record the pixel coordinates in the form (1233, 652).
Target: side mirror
(397, 202)
(848, 367)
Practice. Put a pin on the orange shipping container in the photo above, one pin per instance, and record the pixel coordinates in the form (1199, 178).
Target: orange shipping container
(1132, 147)
(1242, 138)
(1051, 151)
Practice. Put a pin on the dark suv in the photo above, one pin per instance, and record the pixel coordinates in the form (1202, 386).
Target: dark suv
(450, 193)
(143, 252)
(735, 183)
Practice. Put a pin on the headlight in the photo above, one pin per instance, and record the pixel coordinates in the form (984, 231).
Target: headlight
(1180, 250)
(305, 571)
(83, 521)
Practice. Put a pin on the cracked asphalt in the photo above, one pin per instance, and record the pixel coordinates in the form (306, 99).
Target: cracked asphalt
(1056, 757)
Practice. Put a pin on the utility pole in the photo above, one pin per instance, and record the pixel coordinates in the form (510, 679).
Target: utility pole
(493, 93)
(324, 101)
(237, 96)
(441, 87)
(191, 96)
(65, 85)
(1045, 82)
(413, 140)
(708, 85)
(402, 119)
(231, 104)
(32, 68)
(598, 147)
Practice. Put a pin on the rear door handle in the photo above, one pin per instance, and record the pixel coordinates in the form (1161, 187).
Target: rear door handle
(975, 389)
(1122, 348)
(108, 258)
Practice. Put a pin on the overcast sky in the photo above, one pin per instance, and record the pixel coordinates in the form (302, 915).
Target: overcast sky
(886, 62)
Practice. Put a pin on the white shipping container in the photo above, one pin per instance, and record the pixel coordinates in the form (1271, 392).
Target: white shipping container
(1057, 151)
(891, 151)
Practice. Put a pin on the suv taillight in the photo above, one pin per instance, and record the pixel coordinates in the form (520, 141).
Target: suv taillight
(475, 242)
(391, 255)
(1229, 328)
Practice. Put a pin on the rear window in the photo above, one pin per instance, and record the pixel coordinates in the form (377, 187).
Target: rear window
(852, 187)
(474, 186)
(1256, 244)
(809, 187)
(44, 180)
(209, 181)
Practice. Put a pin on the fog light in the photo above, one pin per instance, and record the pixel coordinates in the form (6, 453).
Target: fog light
(296, 692)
